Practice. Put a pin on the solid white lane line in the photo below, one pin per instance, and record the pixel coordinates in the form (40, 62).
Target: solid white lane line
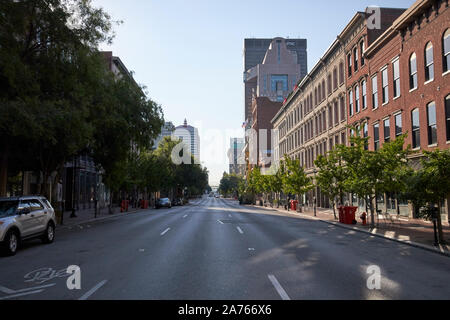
(165, 231)
(10, 291)
(20, 294)
(240, 230)
(92, 291)
(219, 221)
(278, 287)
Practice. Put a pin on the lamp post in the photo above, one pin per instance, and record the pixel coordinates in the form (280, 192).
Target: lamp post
(73, 215)
(315, 194)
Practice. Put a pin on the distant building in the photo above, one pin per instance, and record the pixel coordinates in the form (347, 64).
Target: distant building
(236, 156)
(190, 136)
(272, 67)
(166, 131)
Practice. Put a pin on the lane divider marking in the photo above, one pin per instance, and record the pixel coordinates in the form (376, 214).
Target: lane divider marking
(92, 291)
(165, 231)
(278, 287)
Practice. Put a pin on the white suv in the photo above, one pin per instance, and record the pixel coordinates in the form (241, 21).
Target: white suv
(25, 218)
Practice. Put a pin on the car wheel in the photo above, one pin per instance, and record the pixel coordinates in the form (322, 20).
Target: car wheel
(11, 243)
(49, 235)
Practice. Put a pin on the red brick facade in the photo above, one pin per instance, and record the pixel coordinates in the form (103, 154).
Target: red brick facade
(424, 23)
(263, 111)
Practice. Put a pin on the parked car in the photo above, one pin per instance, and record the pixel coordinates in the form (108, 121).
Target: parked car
(163, 203)
(25, 218)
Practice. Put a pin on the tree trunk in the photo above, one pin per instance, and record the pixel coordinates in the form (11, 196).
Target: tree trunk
(333, 203)
(4, 171)
(372, 213)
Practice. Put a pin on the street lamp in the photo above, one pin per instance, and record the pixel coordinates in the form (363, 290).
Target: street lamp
(315, 194)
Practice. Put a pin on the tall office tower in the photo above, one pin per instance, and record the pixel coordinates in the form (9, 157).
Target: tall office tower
(272, 67)
(190, 136)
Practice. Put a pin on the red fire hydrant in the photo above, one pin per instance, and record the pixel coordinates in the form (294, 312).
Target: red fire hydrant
(364, 218)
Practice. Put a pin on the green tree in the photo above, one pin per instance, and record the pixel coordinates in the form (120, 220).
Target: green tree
(371, 173)
(58, 98)
(332, 176)
(430, 185)
(295, 180)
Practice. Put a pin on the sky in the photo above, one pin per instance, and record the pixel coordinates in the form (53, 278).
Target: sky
(189, 54)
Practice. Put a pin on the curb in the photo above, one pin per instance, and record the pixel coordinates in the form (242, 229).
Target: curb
(60, 227)
(410, 243)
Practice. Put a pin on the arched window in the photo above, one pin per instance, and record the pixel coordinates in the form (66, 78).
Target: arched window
(446, 48)
(335, 78)
(323, 90)
(341, 73)
(413, 71)
(315, 96)
(415, 123)
(329, 84)
(429, 62)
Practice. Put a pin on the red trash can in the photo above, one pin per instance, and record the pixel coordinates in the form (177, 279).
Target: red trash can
(350, 215)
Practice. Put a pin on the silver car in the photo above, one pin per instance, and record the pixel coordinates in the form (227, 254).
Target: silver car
(25, 218)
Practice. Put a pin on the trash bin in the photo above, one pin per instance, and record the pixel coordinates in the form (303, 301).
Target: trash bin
(350, 215)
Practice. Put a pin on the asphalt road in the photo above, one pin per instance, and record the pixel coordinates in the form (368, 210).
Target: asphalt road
(216, 249)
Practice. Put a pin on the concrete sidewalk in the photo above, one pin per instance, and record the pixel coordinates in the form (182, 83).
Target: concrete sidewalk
(418, 233)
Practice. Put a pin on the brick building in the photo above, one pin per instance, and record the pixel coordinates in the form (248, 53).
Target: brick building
(408, 88)
(313, 118)
(263, 110)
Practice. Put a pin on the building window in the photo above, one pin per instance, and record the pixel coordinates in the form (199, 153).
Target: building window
(355, 58)
(396, 73)
(330, 117)
(413, 72)
(336, 112)
(415, 128)
(429, 62)
(375, 92)
(446, 47)
(364, 94)
(398, 125)
(323, 90)
(362, 49)
(447, 116)
(329, 84)
(366, 135)
(335, 78)
(279, 83)
(350, 100)
(349, 61)
(315, 96)
(343, 138)
(343, 113)
(432, 129)
(341, 73)
(387, 130)
(357, 99)
(376, 136)
(385, 85)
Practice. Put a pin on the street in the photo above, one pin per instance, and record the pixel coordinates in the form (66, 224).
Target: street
(216, 249)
